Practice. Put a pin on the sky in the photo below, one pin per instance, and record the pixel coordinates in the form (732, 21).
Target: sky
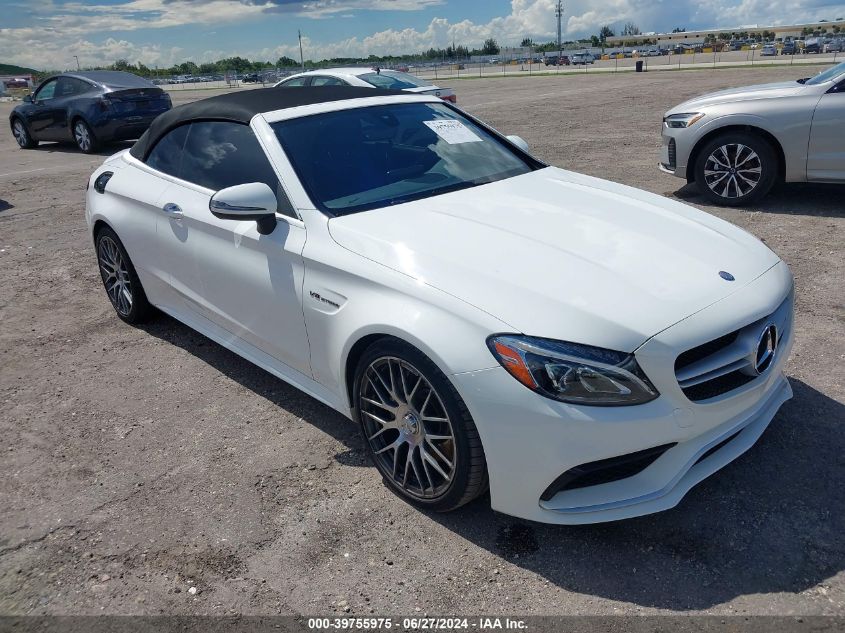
(46, 34)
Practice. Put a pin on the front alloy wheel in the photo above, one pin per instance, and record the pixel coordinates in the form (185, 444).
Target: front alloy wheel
(407, 427)
(736, 169)
(418, 431)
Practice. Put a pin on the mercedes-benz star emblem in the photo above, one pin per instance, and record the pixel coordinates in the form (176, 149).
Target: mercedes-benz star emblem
(766, 347)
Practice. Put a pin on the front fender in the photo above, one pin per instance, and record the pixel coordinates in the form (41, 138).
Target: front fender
(347, 297)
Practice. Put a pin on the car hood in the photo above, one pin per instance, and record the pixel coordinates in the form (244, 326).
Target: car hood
(747, 93)
(562, 255)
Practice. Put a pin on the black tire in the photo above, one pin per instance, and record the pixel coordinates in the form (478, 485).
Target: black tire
(84, 137)
(731, 156)
(128, 299)
(469, 476)
(22, 135)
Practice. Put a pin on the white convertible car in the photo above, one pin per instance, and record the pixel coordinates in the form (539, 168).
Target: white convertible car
(586, 350)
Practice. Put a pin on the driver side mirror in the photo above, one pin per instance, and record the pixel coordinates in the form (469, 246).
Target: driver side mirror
(519, 142)
(252, 201)
(27, 99)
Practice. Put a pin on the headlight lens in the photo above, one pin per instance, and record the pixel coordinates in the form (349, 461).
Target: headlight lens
(687, 119)
(569, 372)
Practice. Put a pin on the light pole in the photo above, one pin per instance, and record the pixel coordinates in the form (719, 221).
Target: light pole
(76, 57)
(559, 14)
(301, 59)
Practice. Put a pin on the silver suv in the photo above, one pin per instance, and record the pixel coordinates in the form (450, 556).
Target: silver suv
(737, 144)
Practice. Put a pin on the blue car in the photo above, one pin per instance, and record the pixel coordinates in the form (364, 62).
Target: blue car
(88, 108)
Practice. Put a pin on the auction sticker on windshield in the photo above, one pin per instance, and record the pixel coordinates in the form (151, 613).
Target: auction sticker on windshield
(453, 132)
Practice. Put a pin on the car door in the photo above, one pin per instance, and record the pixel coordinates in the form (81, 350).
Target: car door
(826, 153)
(138, 190)
(224, 270)
(40, 119)
(67, 91)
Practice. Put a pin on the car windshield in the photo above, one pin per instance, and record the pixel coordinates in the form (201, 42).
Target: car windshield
(367, 158)
(827, 75)
(393, 80)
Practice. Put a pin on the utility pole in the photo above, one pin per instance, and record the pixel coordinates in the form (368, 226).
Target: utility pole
(76, 57)
(559, 14)
(301, 59)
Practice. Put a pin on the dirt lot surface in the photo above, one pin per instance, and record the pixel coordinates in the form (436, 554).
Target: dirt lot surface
(138, 463)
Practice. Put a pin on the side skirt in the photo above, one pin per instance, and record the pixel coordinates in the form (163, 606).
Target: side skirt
(261, 359)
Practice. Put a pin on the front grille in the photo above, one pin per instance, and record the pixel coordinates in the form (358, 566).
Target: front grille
(605, 471)
(673, 153)
(726, 363)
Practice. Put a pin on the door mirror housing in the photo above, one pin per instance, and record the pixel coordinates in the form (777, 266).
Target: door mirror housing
(252, 201)
(27, 99)
(519, 142)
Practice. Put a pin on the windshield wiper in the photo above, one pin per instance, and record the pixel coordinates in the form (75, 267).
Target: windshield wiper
(428, 193)
(802, 81)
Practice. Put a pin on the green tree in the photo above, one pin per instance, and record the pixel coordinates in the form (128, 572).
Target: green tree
(679, 29)
(630, 29)
(527, 42)
(491, 47)
(606, 32)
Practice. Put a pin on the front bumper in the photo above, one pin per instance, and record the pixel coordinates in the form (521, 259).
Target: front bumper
(529, 441)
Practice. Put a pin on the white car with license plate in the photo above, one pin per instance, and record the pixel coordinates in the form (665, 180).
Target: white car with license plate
(585, 350)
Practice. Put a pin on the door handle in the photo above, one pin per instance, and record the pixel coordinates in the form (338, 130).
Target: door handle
(173, 211)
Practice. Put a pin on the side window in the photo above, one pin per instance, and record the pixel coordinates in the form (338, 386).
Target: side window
(327, 81)
(220, 154)
(46, 91)
(167, 153)
(70, 87)
(296, 81)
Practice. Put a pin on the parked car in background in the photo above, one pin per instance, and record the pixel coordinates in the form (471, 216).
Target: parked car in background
(737, 144)
(812, 45)
(582, 58)
(368, 78)
(16, 82)
(769, 50)
(834, 46)
(89, 108)
(587, 351)
(788, 48)
(557, 60)
(251, 78)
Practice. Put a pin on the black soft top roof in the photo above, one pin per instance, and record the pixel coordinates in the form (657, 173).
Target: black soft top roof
(240, 107)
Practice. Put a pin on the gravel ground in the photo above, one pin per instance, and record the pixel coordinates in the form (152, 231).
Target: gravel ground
(139, 463)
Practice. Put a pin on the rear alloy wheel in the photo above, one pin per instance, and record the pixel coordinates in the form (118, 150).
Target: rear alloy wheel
(21, 134)
(736, 169)
(120, 279)
(84, 137)
(418, 431)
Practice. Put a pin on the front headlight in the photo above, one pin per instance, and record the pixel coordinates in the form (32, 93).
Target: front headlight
(687, 119)
(569, 372)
